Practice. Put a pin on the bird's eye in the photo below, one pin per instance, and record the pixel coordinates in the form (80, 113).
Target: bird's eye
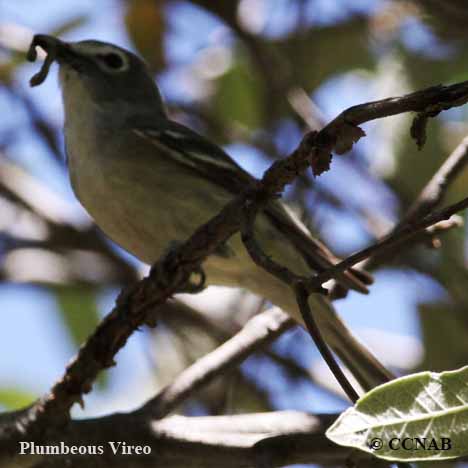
(112, 60)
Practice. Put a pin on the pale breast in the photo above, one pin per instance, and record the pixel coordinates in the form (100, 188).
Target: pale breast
(139, 198)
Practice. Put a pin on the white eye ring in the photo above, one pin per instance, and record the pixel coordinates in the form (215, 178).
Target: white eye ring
(112, 61)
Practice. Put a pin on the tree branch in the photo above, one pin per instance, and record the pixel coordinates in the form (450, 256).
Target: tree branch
(259, 439)
(258, 331)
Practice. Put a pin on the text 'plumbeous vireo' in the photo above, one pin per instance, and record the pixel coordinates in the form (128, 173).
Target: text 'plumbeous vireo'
(148, 181)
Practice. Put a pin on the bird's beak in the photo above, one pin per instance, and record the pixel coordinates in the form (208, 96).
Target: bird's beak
(56, 50)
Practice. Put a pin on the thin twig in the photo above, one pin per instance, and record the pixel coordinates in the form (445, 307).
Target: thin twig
(435, 190)
(256, 252)
(388, 242)
(302, 296)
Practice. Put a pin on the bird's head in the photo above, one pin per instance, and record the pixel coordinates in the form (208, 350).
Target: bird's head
(99, 74)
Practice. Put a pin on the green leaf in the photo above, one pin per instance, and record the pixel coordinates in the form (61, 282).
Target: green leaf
(14, 398)
(424, 405)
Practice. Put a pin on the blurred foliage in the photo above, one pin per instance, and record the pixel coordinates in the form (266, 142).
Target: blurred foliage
(12, 398)
(322, 52)
(238, 97)
(79, 310)
(246, 97)
(146, 26)
(447, 19)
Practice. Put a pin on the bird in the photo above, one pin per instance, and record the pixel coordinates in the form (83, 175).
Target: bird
(148, 181)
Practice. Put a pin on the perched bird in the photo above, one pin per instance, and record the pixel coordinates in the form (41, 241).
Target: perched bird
(148, 181)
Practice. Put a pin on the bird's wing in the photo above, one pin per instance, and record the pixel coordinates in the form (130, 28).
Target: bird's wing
(192, 151)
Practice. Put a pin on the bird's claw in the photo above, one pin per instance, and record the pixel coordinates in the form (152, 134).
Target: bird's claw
(194, 287)
(158, 271)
